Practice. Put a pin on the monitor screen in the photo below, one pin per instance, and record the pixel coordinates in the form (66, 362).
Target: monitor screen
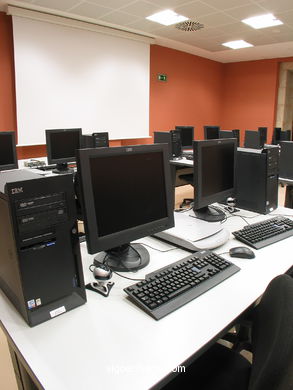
(211, 132)
(214, 175)
(8, 157)
(126, 195)
(61, 147)
(187, 136)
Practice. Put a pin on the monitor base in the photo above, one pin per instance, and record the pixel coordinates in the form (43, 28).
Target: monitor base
(125, 258)
(62, 168)
(210, 214)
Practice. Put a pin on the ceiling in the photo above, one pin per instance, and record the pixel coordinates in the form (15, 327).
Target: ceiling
(221, 20)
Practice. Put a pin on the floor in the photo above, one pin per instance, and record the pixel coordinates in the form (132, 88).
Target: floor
(7, 378)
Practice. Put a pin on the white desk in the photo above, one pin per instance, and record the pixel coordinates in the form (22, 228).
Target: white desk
(109, 343)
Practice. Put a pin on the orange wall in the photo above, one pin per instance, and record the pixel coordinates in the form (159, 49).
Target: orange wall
(7, 90)
(198, 92)
(249, 95)
(192, 94)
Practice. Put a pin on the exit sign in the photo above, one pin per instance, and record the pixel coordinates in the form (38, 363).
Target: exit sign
(162, 77)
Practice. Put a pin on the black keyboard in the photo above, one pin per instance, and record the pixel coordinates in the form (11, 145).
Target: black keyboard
(188, 156)
(173, 286)
(46, 167)
(260, 234)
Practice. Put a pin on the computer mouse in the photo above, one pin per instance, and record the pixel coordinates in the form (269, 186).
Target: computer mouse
(242, 252)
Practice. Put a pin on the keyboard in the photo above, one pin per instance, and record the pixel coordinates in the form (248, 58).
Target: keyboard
(188, 156)
(46, 167)
(171, 287)
(261, 234)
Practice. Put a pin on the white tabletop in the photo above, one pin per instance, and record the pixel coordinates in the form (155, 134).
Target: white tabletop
(110, 343)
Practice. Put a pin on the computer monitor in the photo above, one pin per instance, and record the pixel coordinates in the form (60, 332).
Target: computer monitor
(126, 195)
(187, 136)
(263, 134)
(8, 157)
(253, 139)
(214, 176)
(235, 133)
(286, 135)
(211, 132)
(276, 135)
(61, 147)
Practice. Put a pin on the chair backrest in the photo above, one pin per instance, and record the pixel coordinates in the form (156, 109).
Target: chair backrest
(272, 338)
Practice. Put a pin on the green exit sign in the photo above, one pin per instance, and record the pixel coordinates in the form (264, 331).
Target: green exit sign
(162, 77)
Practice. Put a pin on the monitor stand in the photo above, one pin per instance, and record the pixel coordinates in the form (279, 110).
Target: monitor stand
(124, 258)
(210, 214)
(62, 168)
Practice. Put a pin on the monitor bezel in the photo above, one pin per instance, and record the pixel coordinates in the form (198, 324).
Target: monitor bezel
(183, 128)
(199, 200)
(96, 243)
(52, 160)
(14, 165)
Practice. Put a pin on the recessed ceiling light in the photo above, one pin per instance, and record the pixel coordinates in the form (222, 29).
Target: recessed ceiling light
(166, 17)
(262, 21)
(237, 44)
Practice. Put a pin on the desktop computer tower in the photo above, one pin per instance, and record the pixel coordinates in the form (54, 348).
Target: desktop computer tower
(286, 160)
(95, 140)
(257, 179)
(40, 262)
(172, 138)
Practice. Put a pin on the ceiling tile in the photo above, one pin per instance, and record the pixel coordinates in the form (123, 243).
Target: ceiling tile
(110, 3)
(144, 25)
(195, 9)
(246, 11)
(235, 28)
(226, 4)
(118, 18)
(63, 5)
(217, 19)
(277, 6)
(286, 17)
(90, 10)
(141, 8)
(168, 3)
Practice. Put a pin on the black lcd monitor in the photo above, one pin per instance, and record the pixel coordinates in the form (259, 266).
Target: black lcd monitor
(126, 194)
(263, 131)
(61, 147)
(214, 176)
(235, 133)
(211, 132)
(276, 135)
(8, 156)
(253, 139)
(187, 136)
(286, 160)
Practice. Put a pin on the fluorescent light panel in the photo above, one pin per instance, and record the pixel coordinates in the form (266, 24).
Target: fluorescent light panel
(262, 21)
(166, 17)
(237, 44)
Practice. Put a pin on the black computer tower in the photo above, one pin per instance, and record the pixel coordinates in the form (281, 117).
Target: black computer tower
(172, 138)
(95, 140)
(40, 261)
(286, 160)
(257, 179)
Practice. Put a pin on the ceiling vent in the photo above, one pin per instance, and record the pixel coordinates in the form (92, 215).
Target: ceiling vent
(189, 25)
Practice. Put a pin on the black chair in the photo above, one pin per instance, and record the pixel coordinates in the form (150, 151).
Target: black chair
(222, 368)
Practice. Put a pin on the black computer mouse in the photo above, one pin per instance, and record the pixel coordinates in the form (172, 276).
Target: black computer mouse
(242, 252)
